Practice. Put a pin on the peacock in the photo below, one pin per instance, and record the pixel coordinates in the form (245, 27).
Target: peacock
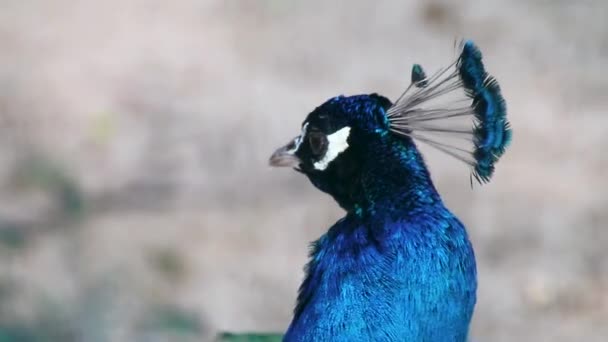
(399, 265)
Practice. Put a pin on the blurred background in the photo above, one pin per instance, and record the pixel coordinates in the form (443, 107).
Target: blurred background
(136, 203)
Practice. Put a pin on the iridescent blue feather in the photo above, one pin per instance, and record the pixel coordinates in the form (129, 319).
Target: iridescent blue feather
(492, 132)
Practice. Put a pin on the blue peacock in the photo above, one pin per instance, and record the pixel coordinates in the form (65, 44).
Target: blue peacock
(399, 265)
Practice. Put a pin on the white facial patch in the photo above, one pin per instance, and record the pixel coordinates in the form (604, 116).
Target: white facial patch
(336, 144)
(298, 140)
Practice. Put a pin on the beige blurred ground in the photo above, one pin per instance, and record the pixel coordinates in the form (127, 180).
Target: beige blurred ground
(135, 199)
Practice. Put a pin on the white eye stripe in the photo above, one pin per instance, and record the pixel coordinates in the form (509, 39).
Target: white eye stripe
(298, 140)
(336, 144)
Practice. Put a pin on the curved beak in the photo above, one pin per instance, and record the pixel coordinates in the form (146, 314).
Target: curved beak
(285, 156)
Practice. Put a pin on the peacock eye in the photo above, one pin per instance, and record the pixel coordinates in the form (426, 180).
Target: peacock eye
(317, 142)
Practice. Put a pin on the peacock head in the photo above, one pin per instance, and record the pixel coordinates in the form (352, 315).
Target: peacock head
(342, 139)
(332, 132)
(333, 146)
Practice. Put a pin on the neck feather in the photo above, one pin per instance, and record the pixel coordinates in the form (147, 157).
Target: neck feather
(387, 173)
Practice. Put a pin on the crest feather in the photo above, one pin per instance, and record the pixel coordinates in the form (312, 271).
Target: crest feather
(432, 110)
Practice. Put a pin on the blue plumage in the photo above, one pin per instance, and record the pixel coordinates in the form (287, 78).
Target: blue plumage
(399, 266)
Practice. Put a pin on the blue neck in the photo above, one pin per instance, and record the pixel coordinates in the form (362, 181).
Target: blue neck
(389, 175)
(395, 181)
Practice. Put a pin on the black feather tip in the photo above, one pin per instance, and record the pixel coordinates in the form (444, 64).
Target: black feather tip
(419, 76)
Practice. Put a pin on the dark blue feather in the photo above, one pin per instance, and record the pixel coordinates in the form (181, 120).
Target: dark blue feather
(418, 76)
(492, 133)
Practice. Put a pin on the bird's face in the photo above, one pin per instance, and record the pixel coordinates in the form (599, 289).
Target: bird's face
(329, 131)
(328, 149)
(321, 141)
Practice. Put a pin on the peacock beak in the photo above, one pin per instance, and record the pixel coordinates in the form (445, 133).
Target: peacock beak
(286, 156)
